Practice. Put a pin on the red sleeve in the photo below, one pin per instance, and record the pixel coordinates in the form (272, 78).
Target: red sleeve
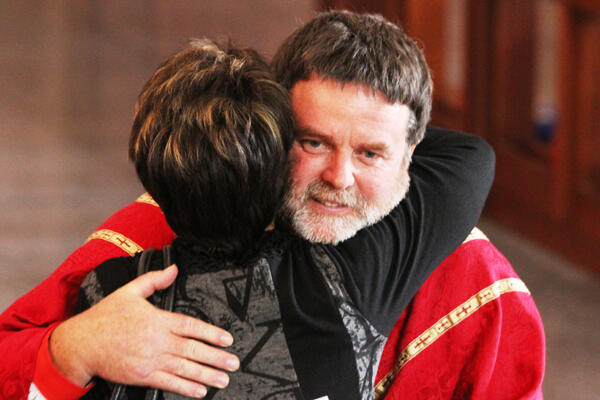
(50, 381)
(25, 323)
(471, 332)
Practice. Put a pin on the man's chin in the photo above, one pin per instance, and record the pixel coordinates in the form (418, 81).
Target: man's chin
(319, 228)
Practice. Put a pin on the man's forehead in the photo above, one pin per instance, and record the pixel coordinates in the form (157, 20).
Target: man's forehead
(339, 112)
(359, 88)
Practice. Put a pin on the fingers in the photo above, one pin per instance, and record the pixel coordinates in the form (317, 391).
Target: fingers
(195, 372)
(173, 383)
(199, 352)
(150, 282)
(187, 326)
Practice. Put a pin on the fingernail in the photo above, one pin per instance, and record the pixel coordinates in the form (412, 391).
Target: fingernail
(227, 340)
(222, 381)
(232, 364)
(201, 392)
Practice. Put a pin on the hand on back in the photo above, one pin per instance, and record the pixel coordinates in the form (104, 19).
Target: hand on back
(126, 339)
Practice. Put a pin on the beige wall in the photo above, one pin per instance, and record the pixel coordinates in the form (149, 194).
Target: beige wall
(79, 65)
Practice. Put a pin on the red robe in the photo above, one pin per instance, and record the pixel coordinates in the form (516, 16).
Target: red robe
(472, 331)
(500, 344)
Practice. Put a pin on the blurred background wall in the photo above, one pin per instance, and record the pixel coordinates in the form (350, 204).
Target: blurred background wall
(523, 74)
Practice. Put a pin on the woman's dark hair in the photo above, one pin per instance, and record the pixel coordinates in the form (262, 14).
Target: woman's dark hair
(210, 140)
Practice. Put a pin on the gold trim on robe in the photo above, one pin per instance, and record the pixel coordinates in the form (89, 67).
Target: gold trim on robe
(146, 198)
(118, 239)
(449, 321)
(476, 234)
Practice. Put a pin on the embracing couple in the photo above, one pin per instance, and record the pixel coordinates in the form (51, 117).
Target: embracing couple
(320, 144)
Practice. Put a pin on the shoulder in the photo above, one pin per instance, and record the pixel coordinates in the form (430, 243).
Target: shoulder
(475, 314)
(476, 269)
(139, 225)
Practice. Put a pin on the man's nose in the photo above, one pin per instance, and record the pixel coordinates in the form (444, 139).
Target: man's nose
(339, 172)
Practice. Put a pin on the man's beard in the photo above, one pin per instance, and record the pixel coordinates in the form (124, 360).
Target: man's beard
(298, 216)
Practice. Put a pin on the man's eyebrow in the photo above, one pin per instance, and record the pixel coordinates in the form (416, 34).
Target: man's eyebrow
(376, 147)
(303, 132)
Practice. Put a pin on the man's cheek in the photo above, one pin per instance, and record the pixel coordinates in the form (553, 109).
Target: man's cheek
(303, 168)
(294, 153)
(294, 160)
(369, 189)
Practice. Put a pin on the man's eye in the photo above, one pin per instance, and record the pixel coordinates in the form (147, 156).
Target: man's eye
(312, 145)
(369, 157)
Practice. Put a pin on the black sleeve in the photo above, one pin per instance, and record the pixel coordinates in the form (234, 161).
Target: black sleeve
(105, 279)
(384, 265)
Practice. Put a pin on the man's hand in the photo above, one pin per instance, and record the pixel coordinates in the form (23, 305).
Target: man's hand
(126, 339)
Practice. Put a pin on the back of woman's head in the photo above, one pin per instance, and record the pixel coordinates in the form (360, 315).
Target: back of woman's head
(210, 139)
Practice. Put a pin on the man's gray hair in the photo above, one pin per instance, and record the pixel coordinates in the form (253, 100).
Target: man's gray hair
(362, 49)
